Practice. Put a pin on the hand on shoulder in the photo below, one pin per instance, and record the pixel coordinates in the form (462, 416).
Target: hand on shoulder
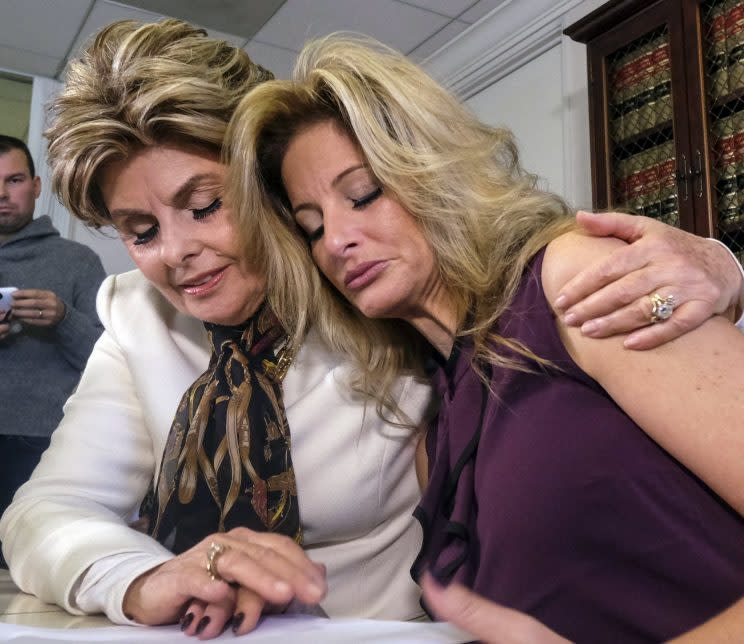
(569, 254)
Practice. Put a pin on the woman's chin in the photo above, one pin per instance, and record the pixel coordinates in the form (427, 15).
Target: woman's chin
(376, 310)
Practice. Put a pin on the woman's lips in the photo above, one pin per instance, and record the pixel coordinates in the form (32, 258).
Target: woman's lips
(204, 288)
(363, 274)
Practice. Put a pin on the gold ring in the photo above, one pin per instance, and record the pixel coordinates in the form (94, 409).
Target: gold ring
(662, 307)
(213, 553)
(41, 313)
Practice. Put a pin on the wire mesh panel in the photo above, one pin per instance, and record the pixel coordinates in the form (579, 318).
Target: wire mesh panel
(723, 46)
(642, 163)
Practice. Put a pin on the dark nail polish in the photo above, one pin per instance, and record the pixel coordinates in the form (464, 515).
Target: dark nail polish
(237, 620)
(186, 621)
(203, 623)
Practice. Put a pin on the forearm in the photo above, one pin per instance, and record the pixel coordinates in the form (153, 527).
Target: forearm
(75, 509)
(76, 335)
(104, 584)
(80, 327)
(51, 543)
(736, 265)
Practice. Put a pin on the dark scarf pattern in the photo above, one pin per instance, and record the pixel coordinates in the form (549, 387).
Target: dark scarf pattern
(227, 460)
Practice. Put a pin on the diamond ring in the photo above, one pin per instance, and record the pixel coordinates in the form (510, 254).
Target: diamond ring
(213, 553)
(662, 307)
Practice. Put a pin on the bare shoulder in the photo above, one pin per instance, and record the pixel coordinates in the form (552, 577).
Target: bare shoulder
(569, 254)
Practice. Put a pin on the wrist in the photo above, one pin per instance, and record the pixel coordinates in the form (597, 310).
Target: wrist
(61, 311)
(132, 605)
(733, 268)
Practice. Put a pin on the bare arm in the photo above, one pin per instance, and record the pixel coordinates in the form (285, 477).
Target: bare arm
(695, 412)
(725, 628)
(609, 295)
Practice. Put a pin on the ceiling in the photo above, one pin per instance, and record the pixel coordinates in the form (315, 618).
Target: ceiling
(38, 37)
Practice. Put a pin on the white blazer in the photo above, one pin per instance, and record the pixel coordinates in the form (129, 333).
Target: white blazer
(66, 537)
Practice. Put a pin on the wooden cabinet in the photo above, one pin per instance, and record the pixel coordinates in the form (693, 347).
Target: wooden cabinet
(666, 93)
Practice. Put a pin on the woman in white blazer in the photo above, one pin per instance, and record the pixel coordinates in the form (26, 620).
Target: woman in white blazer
(67, 537)
(135, 139)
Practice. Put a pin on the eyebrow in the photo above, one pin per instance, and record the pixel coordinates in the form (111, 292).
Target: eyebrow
(334, 183)
(179, 198)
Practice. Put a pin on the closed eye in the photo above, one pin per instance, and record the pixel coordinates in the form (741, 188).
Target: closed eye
(147, 236)
(315, 235)
(201, 213)
(360, 204)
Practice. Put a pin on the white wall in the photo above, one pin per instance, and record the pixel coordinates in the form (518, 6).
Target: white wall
(529, 102)
(15, 96)
(516, 68)
(105, 243)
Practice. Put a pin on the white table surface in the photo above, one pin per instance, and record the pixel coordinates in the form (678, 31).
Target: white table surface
(19, 608)
(26, 612)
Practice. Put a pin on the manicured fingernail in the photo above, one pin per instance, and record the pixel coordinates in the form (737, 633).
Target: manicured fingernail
(237, 620)
(571, 319)
(203, 623)
(560, 301)
(186, 621)
(590, 327)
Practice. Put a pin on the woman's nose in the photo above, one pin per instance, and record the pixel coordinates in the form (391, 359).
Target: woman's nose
(177, 246)
(340, 232)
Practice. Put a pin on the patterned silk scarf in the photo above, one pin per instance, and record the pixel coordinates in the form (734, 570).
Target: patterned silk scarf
(227, 459)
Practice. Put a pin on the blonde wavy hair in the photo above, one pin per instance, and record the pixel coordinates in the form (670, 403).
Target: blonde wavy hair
(460, 179)
(141, 84)
(149, 84)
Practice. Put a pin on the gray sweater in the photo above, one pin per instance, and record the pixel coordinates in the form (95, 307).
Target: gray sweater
(39, 367)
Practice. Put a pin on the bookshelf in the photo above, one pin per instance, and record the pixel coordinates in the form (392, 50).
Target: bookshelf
(666, 108)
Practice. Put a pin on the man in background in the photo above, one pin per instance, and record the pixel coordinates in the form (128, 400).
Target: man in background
(52, 327)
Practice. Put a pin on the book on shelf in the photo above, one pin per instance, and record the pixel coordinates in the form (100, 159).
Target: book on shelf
(734, 28)
(651, 170)
(717, 54)
(640, 88)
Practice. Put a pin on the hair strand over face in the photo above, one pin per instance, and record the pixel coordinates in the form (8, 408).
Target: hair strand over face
(460, 179)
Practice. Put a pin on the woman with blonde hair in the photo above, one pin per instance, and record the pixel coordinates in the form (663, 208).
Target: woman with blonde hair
(234, 520)
(558, 480)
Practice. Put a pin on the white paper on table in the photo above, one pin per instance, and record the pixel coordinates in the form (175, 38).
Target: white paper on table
(272, 630)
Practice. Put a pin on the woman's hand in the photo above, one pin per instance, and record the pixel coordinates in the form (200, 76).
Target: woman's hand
(257, 568)
(485, 620)
(611, 296)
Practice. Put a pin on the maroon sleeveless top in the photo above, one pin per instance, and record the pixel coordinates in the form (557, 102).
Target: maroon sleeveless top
(546, 497)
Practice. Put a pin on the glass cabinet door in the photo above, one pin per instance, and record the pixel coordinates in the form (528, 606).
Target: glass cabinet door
(641, 131)
(722, 24)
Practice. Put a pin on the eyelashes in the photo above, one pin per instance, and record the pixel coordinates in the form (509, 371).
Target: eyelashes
(359, 204)
(315, 235)
(198, 214)
(356, 204)
(145, 237)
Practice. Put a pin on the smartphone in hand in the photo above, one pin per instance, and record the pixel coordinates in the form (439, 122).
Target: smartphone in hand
(6, 301)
